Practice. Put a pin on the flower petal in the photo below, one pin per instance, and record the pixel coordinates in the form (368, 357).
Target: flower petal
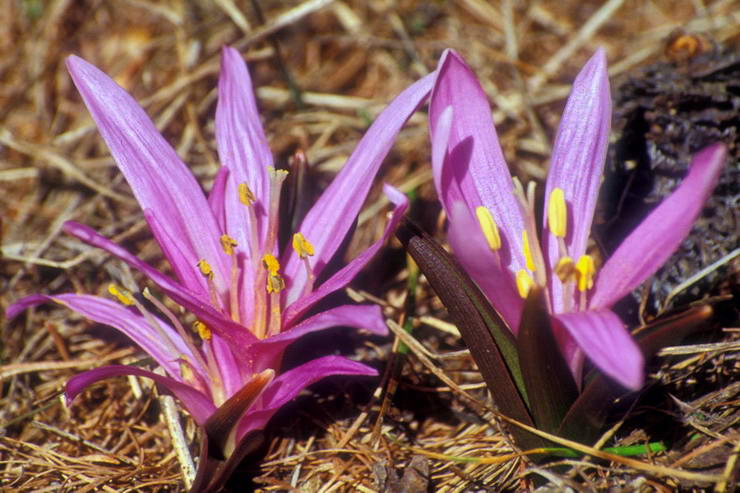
(349, 271)
(268, 353)
(128, 321)
(198, 405)
(577, 165)
(609, 346)
(474, 163)
(483, 265)
(657, 237)
(217, 197)
(243, 148)
(288, 385)
(159, 179)
(238, 336)
(328, 221)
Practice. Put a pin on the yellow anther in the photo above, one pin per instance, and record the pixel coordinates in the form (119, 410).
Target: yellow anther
(585, 271)
(524, 282)
(557, 213)
(186, 371)
(203, 331)
(275, 283)
(246, 196)
(124, 297)
(565, 269)
(276, 174)
(489, 227)
(271, 264)
(228, 244)
(205, 268)
(527, 252)
(302, 246)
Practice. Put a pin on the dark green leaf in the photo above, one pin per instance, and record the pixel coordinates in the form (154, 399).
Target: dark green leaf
(549, 382)
(485, 333)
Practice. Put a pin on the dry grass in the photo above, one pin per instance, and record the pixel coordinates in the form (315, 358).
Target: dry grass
(348, 58)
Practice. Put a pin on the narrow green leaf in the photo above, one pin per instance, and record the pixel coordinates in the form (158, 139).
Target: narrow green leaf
(549, 382)
(625, 451)
(486, 335)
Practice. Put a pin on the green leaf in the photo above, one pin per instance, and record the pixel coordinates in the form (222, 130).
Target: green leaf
(549, 382)
(490, 341)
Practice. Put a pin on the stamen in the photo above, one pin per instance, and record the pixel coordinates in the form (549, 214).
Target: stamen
(565, 269)
(489, 227)
(528, 252)
(177, 325)
(207, 271)
(203, 331)
(124, 297)
(228, 244)
(557, 213)
(205, 268)
(302, 246)
(275, 284)
(305, 249)
(524, 282)
(585, 271)
(246, 196)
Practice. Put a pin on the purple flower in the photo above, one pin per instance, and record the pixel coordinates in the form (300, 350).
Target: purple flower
(250, 299)
(493, 230)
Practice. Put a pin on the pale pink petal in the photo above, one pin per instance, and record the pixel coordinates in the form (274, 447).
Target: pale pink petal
(268, 353)
(577, 165)
(198, 405)
(159, 179)
(602, 336)
(238, 336)
(474, 163)
(348, 272)
(329, 220)
(167, 353)
(657, 237)
(243, 148)
(216, 199)
(288, 385)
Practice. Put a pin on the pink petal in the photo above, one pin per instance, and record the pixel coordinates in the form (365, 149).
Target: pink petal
(128, 321)
(328, 221)
(474, 164)
(239, 337)
(243, 148)
(159, 179)
(485, 267)
(216, 199)
(602, 336)
(288, 385)
(658, 236)
(577, 165)
(268, 353)
(349, 271)
(198, 405)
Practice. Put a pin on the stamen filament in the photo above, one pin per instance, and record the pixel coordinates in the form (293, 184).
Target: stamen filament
(178, 327)
(207, 271)
(305, 249)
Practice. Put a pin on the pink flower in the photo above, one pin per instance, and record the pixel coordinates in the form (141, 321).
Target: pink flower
(493, 230)
(250, 297)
